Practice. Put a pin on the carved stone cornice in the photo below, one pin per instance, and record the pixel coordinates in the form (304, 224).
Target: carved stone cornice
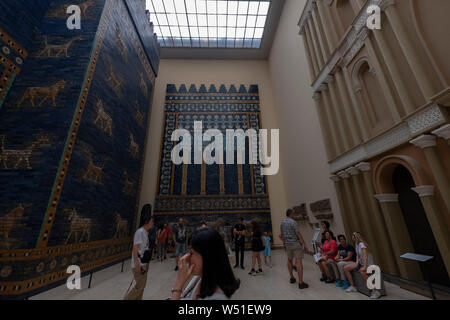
(335, 178)
(352, 171)
(423, 121)
(343, 174)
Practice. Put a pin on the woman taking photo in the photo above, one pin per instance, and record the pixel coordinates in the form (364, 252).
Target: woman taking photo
(208, 261)
(257, 247)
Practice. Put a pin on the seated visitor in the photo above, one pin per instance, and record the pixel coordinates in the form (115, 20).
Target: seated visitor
(329, 252)
(324, 227)
(363, 260)
(208, 262)
(346, 255)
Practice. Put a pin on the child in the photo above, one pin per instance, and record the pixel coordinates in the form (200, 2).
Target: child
(266, 251)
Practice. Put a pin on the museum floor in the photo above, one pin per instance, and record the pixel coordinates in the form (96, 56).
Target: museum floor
(272, 284)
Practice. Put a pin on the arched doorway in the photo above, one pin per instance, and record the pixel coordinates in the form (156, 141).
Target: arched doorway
(419, 229)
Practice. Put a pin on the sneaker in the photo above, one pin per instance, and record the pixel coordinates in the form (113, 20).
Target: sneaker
(323, 278)
(259, 270)
(176, 268)
(303, 285)
(351, 289)
(345, 285)
(329, 280)
(292, 280)
(375, 294)
(252, 272)
(338, 283)
(242, 267)
(235, 266)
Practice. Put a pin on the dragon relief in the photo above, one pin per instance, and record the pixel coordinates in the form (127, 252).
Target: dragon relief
(92, 173)
(113, 80)
(58, 49)
(19, 159)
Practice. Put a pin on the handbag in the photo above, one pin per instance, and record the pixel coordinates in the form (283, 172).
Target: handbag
(146, 257)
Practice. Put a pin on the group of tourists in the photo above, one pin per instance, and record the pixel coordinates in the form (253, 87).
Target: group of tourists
(204, 269)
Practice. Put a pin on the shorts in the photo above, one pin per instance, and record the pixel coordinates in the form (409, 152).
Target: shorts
(181, 249)
(294, 251)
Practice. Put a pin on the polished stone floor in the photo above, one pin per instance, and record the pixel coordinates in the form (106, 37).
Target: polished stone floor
(273, 284)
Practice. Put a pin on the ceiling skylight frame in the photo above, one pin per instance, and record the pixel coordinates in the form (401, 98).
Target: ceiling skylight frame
(206, 33)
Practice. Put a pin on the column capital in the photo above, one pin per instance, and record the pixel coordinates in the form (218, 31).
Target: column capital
(316, 96)
(363, 166)
(424, 191)
(424, 141)
(352, 171)
(342, 174)
(387, 197)
(386, 3)
(329, 79)
(443, 132)
(335, 178)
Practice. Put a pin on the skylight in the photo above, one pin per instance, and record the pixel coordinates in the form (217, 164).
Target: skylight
(209, 23)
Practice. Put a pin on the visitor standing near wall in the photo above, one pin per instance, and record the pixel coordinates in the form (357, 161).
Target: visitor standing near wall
(179, 237)
(141, 256)
(161, 236)
(293, 241)
(266, 252)
(257, 247)
(239, 242)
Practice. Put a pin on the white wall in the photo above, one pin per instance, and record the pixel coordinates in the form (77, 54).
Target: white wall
(213, 72)
(303, 156)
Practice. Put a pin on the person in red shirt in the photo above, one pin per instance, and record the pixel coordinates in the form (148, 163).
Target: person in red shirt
(329, 252)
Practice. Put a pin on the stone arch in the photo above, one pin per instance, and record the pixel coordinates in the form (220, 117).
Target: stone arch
(384, 169)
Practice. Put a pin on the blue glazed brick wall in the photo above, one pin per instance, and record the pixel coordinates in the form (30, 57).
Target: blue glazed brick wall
(75, 200)
(221, 108)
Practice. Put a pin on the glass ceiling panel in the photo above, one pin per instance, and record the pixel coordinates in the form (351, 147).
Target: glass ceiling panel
(209, 23)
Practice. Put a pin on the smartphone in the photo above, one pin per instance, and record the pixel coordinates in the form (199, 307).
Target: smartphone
(142, 271)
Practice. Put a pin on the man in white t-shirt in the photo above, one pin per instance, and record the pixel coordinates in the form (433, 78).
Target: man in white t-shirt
(140, 244)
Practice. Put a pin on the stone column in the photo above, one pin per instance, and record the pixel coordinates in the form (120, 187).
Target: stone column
(364, 212)
(342, 125)
(398, 233)
(394, 70)
(437, 222)
(348, 113)
(381, 235)
(443, 132)
(330, 31)
(355, 105)
(428, 143)
(355, 219)
(383, 81)
(184, 180)
(410, 51)
(321, 34)
(312, 72)
(312, 52)
(345, 217)
(324, 126)
(203, 179)
(332, 121)
(316, 43)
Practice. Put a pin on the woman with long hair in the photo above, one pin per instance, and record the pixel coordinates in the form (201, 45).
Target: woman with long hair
(208, 261)
(257, 247)
(363, 260)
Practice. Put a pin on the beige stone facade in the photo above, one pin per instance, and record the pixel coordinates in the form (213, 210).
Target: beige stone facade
(383, 99)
